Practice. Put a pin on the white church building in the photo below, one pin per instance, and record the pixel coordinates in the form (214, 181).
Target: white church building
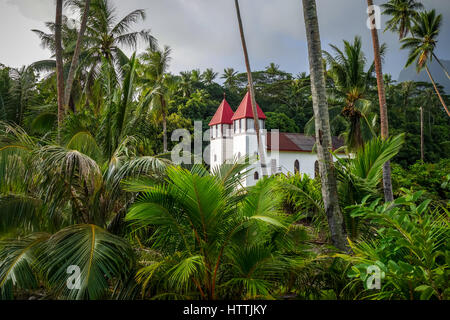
(233, 136)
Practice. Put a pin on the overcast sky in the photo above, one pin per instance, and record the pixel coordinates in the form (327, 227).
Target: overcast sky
(204, 33)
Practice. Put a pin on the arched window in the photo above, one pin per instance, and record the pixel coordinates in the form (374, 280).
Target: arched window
(215, 158)
(316, 169)
(256, 176)
(239, 155)
(296, 166)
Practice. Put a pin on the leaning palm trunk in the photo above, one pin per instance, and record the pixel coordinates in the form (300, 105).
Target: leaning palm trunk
(252, 91)
(387, 181)
(442, 66)
(437, 90)
(59, 64)
(322, 122)
(76, 54)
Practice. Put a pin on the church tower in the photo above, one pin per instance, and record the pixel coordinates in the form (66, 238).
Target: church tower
(233, 136)
(221, 134)
(245, 141)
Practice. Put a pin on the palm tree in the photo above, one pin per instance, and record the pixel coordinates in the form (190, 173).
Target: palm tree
(209, 76)
(218, 241)
(76, 54)
(59, 63)
(422, 44)
(230, 76)
(104, 38)
(323, 135)
(387, 181)
(424, 33)
(157, 90)
(351, 84)
(261, 151)
(185, 85)
(402, 13)
(65, 203)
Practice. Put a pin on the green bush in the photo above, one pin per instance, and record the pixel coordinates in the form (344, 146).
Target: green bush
(430, 177)
(410, 246)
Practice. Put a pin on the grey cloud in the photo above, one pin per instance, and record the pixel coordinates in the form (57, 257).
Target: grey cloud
(204, 33)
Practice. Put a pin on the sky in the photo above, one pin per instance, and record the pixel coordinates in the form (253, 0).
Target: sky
(204, 33)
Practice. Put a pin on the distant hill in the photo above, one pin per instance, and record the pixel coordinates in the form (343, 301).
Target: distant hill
(410, 74)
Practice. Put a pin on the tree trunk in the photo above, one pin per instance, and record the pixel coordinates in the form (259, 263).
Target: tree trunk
(442, 66)
(76, 54)
(422, 154)
(164, 116)
(437, 91)
(387, 181)
(261, 150)
(323, 132)
(59, 64)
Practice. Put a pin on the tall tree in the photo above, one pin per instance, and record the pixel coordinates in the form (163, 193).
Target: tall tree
(157, 94)
(322, 122)
(351, 84)
(387, 181)
(251, 89)
(402, 13)
(422, 153)
(59, 63)
(230, 77)
(424, 28)
(76, 54)
(422, 44)
(209, 76)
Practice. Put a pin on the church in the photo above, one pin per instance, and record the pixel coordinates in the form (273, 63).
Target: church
(233, 136)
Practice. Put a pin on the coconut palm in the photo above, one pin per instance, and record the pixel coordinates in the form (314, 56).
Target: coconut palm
(230, 77)
(105, 37)
(59, 63)
(322, 124)
(387, 181)
(251, 89)
(209, 76)
(64, 202)
(77, 52)
(351, 84)
(422, 44)
(402, 13)
(158, 84)
(218, 240)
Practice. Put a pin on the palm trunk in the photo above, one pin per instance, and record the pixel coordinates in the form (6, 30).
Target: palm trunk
(323, 132)
(76, 54)
(261, 150)
(442, 66)
(164, 116)
(59, 64)
(422, 154)
(437, 91)
(387, 181)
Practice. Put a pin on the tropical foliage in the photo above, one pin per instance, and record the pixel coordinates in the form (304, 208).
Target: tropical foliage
(95, 195)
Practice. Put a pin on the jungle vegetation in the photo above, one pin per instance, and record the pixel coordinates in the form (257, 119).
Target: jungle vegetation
(85, 179)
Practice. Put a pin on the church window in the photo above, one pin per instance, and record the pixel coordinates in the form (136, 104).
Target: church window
(296, 166)
(256, 176)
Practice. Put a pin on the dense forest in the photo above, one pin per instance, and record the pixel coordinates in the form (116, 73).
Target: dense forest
(86, 181)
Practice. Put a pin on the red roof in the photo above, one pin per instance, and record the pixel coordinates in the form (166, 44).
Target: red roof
(245, 109)
(223, 114)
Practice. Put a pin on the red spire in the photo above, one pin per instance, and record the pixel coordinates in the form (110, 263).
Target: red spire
(245, 109)
(223, 114)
